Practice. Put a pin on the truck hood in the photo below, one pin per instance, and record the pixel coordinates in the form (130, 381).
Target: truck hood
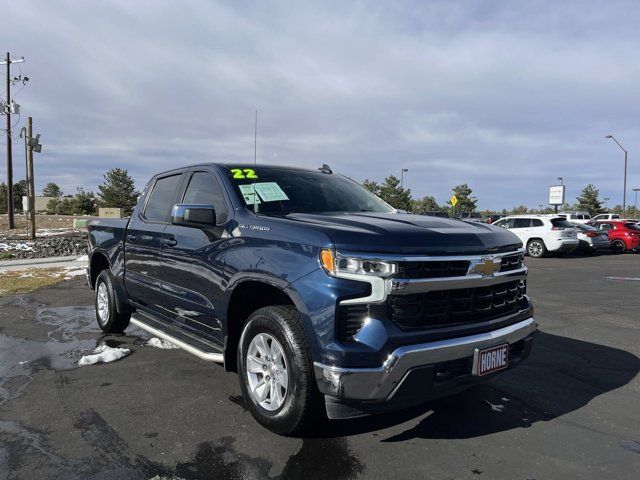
(409, 234)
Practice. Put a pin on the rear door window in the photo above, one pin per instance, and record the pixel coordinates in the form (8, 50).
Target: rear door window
(162, 198)
(521, 223)
(632, 226)
(536, 222)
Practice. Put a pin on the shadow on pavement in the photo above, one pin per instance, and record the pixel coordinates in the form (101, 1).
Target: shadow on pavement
(562, 375)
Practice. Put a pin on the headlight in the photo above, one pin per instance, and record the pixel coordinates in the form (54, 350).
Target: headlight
(335, 264)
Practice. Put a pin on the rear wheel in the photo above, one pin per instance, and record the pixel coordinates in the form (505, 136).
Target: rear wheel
(109, 319)
(536, 248)
(618, 246)
(275, 370)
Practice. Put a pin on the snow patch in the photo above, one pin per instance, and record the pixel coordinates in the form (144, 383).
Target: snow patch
(104, 354)
(159, 343)
(73, 272)
(6, 246)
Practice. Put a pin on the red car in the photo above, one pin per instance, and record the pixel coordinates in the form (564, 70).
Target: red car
(624, 235)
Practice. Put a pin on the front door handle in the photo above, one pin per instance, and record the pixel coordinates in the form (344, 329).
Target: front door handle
(170, 242)
(131, 237)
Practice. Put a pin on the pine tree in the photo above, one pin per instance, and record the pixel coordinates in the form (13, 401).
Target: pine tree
(118, 191)
(424, 205)
(3, 198)
(395, 195)
(588, 200)
(372, 186)
(466, 203)
(51, 190)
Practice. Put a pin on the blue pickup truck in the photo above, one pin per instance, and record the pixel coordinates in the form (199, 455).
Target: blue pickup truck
(321, 296)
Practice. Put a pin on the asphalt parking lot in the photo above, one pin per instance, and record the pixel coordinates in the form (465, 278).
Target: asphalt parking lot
(571, 411)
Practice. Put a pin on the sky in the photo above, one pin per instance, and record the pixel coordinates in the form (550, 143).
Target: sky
(505, 96)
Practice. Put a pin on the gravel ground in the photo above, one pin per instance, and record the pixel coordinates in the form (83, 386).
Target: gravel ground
(56, 244)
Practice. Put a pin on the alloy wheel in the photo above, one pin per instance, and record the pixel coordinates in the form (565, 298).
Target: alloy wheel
(103, 303)
(266, 370)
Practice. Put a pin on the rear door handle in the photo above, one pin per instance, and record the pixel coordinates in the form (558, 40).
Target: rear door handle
(170, 242)
(131, 237)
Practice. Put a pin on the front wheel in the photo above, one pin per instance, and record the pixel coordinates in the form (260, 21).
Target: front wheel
(109, 319)
(275, 370)
(536, 248)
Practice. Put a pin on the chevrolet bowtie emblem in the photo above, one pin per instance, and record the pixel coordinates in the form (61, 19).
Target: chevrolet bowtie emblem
(487, 266)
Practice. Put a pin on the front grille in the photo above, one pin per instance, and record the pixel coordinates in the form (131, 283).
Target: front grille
(451, 268)
(435, 269)
(512, 262)
(435, 309)
(455, 307)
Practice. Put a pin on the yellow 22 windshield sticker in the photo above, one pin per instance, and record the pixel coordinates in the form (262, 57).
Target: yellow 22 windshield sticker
(242, 173)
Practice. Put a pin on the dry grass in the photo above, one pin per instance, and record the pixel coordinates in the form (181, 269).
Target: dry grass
(42, 221)
(26, 281)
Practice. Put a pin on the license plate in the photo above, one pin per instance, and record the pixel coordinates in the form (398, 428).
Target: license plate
(491, 359)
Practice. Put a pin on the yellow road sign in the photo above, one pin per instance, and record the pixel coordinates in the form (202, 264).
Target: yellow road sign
(454, 200)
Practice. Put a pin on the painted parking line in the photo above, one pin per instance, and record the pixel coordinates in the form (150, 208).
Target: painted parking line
(631, 279)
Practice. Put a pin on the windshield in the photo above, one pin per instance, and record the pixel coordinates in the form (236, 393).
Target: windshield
(281, 191)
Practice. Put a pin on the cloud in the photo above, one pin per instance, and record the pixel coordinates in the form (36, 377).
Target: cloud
(504, 96)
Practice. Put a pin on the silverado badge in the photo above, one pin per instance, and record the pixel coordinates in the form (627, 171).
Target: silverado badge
(486, 267)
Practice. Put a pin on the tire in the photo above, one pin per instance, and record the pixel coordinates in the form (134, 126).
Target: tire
(618, 246)
(286, 402)
(107, 315)
(536, 248)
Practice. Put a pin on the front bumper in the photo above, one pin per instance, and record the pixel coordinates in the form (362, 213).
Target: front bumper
(385, 383)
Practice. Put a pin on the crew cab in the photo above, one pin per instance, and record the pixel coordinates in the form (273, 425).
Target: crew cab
(542, 234)
(316, 292)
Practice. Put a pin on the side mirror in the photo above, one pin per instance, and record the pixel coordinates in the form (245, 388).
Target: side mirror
(198, 216)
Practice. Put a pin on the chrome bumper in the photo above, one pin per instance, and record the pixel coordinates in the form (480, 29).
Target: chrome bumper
(381, 383)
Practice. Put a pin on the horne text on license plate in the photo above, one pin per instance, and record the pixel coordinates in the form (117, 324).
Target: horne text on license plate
(491, 359)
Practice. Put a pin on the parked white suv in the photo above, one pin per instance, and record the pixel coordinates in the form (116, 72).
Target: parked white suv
(542, 234)
(575, 216)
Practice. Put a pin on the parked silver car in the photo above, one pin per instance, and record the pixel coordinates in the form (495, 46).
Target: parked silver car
(591, 239)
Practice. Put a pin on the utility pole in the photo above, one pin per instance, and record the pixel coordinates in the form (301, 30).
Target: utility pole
(31, 186)
(9, 159)
(33, 145)
(8, 63)
(635, 203)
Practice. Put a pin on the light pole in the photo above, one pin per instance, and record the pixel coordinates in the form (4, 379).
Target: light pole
(402, 176)
(561, 179)
(606, 199)
(624, 191)
(635, 202)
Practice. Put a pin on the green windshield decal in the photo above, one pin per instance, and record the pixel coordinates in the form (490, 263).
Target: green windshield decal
(248, 194)
(270, 192)
(242, 173)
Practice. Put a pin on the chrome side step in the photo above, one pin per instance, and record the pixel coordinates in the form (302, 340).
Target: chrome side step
(207, 356)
